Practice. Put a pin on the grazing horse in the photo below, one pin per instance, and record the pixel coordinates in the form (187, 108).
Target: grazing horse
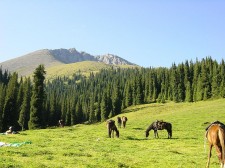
(215, 134)
(61, 123)
(111, 128)
(119, 121)
(124, 121)
(159, 125)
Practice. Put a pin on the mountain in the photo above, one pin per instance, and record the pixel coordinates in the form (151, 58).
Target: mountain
(25, 65)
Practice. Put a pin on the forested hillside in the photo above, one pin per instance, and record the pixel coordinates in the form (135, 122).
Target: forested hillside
(108, 92)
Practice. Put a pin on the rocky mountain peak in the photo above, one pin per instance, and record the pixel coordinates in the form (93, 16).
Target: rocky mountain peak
(27, 63)
(113, 59)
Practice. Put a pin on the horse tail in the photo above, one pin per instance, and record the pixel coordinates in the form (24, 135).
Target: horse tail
(221, 137)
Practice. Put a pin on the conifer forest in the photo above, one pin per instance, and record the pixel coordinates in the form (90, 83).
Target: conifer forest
(33, 103)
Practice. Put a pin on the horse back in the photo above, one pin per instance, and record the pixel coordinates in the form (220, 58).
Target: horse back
(165, 125)
(214, 134)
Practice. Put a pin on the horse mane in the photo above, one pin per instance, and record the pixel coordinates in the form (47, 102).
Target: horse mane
(150, 127)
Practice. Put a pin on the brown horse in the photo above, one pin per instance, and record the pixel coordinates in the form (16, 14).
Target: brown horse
(119, 121)
(159, 125)
(124, 121)
(215, 135)
(111, 128)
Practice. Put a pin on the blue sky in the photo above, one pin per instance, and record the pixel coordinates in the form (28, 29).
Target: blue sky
(146, 32)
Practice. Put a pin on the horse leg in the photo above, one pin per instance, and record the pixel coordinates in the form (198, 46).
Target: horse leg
(156, 134)
(209, 155)
(169, 134)
(113, 133)
(219, 154)
(109, 132)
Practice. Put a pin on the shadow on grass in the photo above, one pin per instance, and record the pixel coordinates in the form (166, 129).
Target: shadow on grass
(176, 152)
(163, 138)
(138, 128)
(134, 138)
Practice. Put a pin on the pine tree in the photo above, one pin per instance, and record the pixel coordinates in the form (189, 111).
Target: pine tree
(25, 107)
(222, 74)
(205, 80)
(174, 83)
(188, 92)
(92, 117)
(104, 112)
(68, 112)
(52, 113)
(116, 100)
(20, 97)
(181, 84)
(98, 108)
(73, 112)
(195, 83)
(139, 91)
(79, 112)
(216, 80)
(37, 99)
(2, 100)
(128, 95)
(10, 115)
(199, 90)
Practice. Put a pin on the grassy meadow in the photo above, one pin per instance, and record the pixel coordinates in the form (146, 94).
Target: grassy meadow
(84, 67)
(88, 146)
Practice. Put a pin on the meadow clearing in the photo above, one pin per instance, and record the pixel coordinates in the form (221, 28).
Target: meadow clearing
(88, 146)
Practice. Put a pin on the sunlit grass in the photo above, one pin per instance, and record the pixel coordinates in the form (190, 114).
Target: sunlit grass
(88, 145)
(84, 67)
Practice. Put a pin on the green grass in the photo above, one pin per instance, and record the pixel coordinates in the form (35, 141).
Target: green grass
(87, 146)
(85, 67)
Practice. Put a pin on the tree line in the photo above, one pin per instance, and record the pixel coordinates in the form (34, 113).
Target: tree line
(37, 103)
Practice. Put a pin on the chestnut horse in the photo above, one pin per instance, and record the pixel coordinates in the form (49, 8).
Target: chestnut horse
(124, 121)
(159, 125)
(111, 128)
(215, 134)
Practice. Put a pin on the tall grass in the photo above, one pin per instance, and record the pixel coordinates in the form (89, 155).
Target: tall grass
(88, 146)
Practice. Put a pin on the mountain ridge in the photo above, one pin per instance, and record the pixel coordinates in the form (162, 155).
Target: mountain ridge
(26, 64)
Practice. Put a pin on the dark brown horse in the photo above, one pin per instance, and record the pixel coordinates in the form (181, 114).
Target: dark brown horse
(124, 121)
(111, 128)
(159, 125)
(215, 134)
(119, 121)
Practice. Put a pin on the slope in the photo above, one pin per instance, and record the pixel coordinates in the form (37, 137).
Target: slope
(84, 67)
(88, 145)
(25, 65)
